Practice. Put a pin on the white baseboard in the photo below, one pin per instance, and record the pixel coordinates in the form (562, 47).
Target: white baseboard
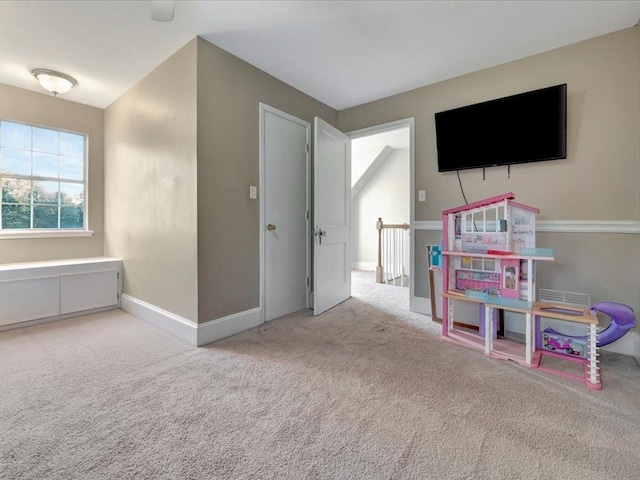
(366, 266)
(627, 345)
(173, 324)
(420, 305)
(186, 330)
(213, 330)
(226, 326)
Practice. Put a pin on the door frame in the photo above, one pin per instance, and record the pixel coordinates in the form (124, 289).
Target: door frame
(415, 303)
(264, 109)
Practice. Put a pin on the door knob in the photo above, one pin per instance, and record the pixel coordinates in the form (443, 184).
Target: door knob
(320, 233)
(271, 227)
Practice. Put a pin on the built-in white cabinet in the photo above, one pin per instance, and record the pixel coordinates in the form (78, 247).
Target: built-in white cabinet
(28, 299)
(40, 290)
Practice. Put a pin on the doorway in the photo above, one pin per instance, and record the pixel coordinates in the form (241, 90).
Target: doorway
(383, 250)
(289, 247)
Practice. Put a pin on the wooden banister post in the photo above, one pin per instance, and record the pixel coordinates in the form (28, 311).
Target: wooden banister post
(379, 267)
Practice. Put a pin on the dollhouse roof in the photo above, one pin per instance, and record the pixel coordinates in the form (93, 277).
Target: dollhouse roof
(490, 201)
(525, 207)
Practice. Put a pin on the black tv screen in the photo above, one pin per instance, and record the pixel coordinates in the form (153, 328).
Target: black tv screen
(529, 127)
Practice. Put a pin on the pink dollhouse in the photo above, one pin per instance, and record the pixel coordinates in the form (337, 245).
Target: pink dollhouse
(491, 237)
(488, 259)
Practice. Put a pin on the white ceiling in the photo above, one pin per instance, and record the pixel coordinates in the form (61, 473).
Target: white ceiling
(398, 138)
(342, 53)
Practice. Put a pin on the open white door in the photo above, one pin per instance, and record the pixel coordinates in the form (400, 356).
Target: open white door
(331, 216)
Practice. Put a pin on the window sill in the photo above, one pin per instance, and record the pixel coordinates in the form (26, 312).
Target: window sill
(16, 234)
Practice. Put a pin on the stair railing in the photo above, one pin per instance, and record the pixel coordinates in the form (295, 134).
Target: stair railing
(390, 268)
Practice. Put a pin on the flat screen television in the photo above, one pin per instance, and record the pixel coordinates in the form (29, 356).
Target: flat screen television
(529, 127)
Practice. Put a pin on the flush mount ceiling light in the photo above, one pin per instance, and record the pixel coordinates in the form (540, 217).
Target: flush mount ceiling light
(162, 10)
(55, 82)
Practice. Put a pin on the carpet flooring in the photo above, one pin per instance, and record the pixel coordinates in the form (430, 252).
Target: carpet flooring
(364, 391)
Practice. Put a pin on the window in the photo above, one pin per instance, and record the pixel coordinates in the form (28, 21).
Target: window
(43, 178)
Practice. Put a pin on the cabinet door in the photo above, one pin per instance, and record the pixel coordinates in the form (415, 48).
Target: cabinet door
(87, 291)
(29, 299)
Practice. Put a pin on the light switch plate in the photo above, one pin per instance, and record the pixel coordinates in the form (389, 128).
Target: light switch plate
(253, 192)
(422, 195)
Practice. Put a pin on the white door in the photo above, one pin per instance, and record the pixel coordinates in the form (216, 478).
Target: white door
(331, 217)
(285, 212)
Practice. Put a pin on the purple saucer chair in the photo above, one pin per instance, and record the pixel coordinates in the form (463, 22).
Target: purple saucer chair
(622, 320)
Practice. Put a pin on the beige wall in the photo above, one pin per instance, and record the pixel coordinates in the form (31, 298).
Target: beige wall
(229, 92)
(599, 180)
(150, 183)
(181, 149)
(47, 111)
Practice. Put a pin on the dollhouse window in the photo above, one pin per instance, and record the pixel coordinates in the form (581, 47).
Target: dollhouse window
(468, 222)
(478, 221)
(490, 220)
(482, 264)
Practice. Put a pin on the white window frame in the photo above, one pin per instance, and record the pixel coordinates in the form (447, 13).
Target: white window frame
(11, 233)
